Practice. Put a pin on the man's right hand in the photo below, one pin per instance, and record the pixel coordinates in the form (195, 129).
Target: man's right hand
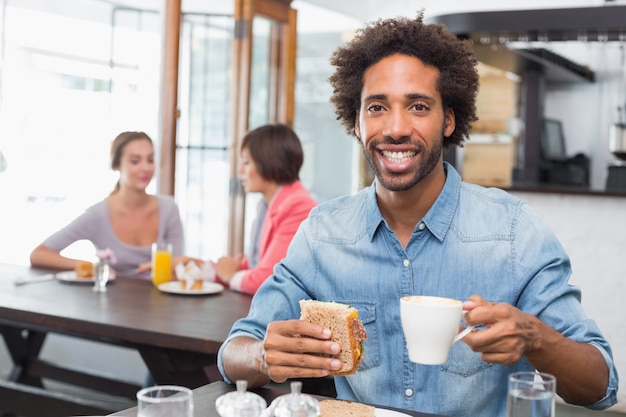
(286, 352)
(288, 346)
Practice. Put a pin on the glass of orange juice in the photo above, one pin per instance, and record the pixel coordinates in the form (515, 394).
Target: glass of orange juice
(161, 262)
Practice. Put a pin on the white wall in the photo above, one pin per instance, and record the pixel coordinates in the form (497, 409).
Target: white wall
(592, 230)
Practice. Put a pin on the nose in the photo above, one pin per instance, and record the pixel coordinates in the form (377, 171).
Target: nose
(397, 125)
(145, 166)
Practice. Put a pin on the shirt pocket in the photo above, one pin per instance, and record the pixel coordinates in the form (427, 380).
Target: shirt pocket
(371, 345)
(463, 361)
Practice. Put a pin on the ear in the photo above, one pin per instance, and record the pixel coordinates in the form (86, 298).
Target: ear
(449, 122)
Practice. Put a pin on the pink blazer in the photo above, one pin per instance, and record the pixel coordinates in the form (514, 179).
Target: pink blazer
(286, 211)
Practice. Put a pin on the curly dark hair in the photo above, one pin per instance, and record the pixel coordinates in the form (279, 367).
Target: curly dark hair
(430, 43)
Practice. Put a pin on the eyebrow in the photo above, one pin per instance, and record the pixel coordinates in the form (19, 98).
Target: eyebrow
(414, 96)
(410, 96)
(375, 97)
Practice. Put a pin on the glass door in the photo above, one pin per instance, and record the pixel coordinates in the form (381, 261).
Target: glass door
(264, 51)
(233, 77)
(202, 143)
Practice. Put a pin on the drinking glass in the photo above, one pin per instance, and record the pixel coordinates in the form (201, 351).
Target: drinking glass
(102, 275)
(531, 394)
(161, 262)
(165, 401)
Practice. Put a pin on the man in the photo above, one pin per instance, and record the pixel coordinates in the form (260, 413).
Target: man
(406, 90)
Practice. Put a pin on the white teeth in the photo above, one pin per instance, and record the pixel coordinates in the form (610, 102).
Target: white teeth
(398, 156)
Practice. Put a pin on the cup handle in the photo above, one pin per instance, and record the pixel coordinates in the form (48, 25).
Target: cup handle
(464, 332)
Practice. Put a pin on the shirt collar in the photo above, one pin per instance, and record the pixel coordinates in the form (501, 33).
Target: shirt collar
(437, 219)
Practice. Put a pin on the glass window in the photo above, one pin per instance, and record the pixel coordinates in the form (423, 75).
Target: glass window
(202, 162)
(71, 79)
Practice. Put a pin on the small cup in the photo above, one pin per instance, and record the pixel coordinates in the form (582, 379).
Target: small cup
(531, 394)
(161, 262)
(102, 273)
(294, 404)
(165, 400)
(430, 326)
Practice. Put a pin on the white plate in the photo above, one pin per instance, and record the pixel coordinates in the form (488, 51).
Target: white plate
(383, 412)
(174, 287)
(70, 276)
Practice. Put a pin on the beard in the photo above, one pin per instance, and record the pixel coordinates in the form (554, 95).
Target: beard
(404, 181)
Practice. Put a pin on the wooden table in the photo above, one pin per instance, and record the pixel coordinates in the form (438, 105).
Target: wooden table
(205, 396)
(177, 336)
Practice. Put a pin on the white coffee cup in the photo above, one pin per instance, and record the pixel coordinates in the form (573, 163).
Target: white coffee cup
(431, 327)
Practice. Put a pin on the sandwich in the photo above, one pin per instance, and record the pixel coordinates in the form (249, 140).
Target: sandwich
(347, 330)
(189, 276)
(196, 285)
(84, 269)
(343, 408)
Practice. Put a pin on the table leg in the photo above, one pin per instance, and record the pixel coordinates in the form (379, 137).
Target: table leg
(171, 366)
(24, 347)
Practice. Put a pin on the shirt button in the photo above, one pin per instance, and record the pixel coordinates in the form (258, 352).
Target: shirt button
(408, 392)
(422, 226)
(406, 262)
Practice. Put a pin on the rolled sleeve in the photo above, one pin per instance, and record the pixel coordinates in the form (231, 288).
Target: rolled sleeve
(611, 392)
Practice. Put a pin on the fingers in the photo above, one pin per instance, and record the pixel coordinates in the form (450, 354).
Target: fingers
(293, 349)
(503, 336)
(474, 301)
(298, 336)
(143, 267)
(483, 312)
(281, 367)
(226, 267)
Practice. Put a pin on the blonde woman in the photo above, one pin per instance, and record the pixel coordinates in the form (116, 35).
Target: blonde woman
(127, 221)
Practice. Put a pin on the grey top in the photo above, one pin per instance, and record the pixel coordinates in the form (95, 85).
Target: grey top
(95, 225)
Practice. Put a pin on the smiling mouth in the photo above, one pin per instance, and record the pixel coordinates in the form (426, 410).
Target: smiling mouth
(399, 156)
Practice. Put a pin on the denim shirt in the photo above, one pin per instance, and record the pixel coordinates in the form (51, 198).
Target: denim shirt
(473, 240)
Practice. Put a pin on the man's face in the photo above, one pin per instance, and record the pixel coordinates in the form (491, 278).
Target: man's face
(401, 121)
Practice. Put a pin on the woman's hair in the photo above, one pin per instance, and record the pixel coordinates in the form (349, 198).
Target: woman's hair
(430, 43)
(118, 145)
(276, 152)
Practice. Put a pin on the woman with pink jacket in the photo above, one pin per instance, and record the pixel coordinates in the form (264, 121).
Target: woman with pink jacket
(271, 158)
